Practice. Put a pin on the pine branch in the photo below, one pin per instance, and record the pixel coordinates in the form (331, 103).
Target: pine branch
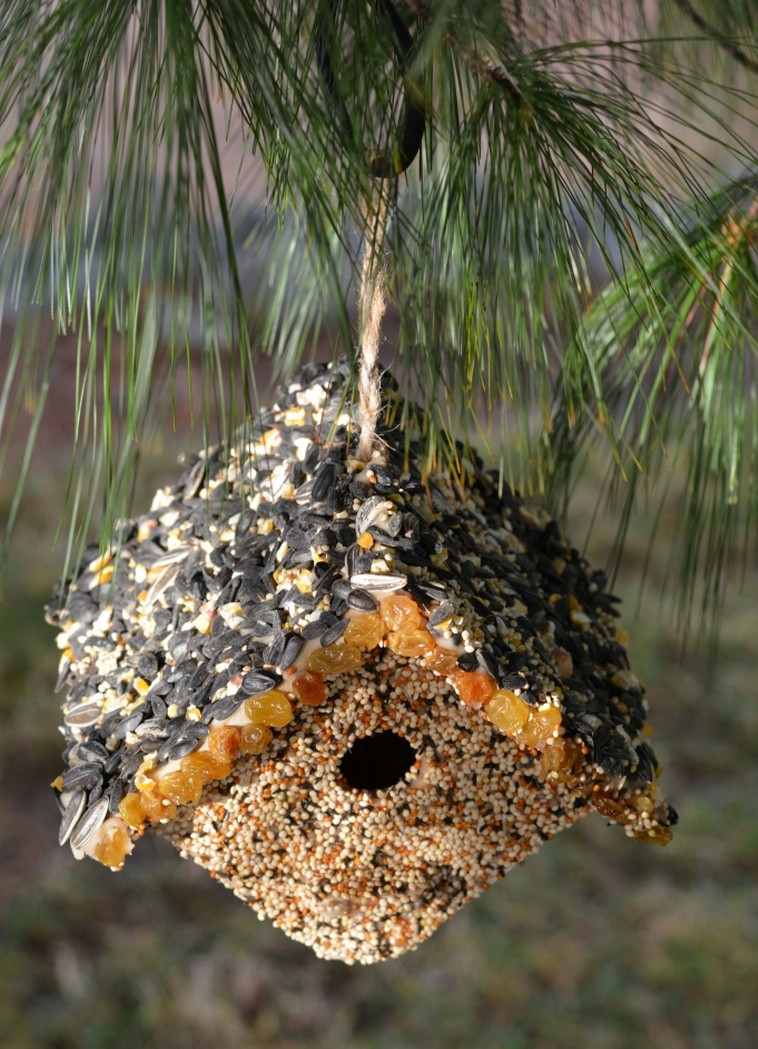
(714, 33)
(552, 135)
(678, 361)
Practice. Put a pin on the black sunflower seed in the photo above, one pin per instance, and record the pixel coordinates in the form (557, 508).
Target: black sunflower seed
(194, 480)
(314, 629)
(71, 815)
(440, 614)
(153, 728)
(378, 581)
(128, 724)
(224, 708)
(468, 661)
(82, 715)
(255, 683)
(158, 707)
(368, 513)
(82, 607)
(333, 633)
(292, 650)
(512, 681)
(92, 751)
(323, 482)
(362, 600)
(147, 665)
(89, 823)
(341, 589)
(180, 749)
(82, 776)
(274, 652)
(326, 580)
(187, 738)
(115, 794)
(436, 593)
(113, 762)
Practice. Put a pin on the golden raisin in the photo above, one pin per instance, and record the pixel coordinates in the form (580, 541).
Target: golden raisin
(131, 811)
(309, 688)
(474, 687)
(224, 742)
(207, 765)
(365, 631)
(335, 659)
(508, 712)
(254, 739)
(156, 807)
(572, 759)
(553, 760)
(112, 844)
(413, 642)
(541, 727)
(611, 808)
(183, 787)
(399, 611)
(654, 836)
(442, 660)
(272, 708)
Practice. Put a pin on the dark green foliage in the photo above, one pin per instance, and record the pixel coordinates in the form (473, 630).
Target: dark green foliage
(563, 149)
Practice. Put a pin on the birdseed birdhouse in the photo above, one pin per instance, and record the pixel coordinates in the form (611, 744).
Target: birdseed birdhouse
(355, 696)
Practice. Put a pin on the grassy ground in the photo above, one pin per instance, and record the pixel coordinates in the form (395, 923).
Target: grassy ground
(597, 942)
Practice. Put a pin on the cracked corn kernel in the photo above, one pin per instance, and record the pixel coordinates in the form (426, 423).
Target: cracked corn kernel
(541, 727)
(365, 631)
(413, 642)
(105, 575)
(254, 739)
(400, 611)
(508, 712)
(113, 844)
(131, 811)
(183, 787)
(309, 688)
(272, 708)
(224, 742)
(335, 659)
(474, 687)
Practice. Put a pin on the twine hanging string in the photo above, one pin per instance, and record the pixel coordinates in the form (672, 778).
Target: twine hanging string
(382, 164)
(372, 303)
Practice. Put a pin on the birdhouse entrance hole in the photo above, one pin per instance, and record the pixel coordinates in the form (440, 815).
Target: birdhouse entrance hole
(377, 762)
